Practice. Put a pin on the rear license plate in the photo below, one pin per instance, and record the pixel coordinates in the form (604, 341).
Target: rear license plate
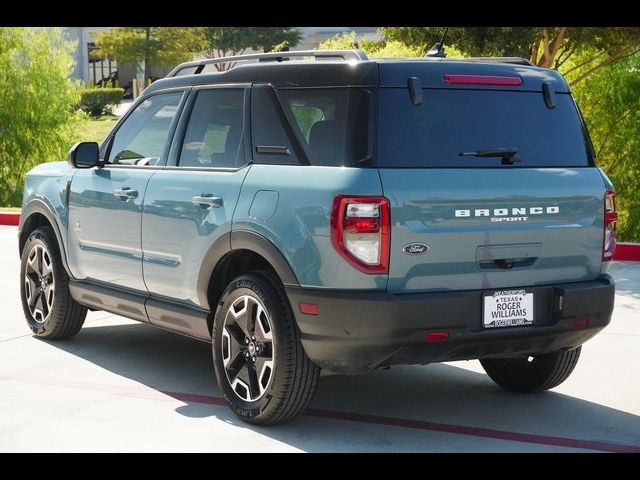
(507, 308)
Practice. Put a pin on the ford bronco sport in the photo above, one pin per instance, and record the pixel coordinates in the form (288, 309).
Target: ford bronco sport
(320, 210)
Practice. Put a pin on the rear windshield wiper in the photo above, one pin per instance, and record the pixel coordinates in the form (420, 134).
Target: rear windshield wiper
(509, 155)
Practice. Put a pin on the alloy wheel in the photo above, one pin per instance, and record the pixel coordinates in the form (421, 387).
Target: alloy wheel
(39, 285)
(248, 348)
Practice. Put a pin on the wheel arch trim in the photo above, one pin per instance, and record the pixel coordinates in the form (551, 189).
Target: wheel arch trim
(242, 240)
(37, 206)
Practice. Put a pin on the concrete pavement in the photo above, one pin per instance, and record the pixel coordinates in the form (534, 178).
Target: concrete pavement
(123, 386)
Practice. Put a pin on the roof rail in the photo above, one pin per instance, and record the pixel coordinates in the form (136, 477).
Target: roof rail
(198, 65)
(514, 60)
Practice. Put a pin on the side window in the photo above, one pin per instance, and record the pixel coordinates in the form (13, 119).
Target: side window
(333, 123)
(213, 137)
(142, 138)
(321, 115)
(306, 116)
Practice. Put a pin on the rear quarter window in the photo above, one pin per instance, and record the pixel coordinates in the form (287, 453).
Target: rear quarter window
(332, 123)
(451, 121)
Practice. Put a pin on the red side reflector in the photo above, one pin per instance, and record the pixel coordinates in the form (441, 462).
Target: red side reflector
(436, 336)
(482, 80)
(580, 323)
(309, 308)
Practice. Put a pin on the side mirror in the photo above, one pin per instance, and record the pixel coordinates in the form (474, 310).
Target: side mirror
(84, 155)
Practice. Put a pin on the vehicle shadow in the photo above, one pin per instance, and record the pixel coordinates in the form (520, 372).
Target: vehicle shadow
(438, 393)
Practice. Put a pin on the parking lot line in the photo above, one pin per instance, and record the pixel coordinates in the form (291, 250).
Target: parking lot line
(349, 416)
(475, 431)
(437, 427)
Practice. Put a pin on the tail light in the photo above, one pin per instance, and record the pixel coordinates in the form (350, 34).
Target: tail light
(360, 231)
(610, 220)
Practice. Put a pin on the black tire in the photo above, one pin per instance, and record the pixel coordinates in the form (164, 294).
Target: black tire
(540, 373)
(293, 379)
(65, 316)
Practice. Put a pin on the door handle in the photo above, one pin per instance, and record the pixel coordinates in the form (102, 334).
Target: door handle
(125, 193)
(207, 200)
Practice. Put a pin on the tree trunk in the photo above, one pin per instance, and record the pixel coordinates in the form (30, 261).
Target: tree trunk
(533, 51)
(549, 47)
(147, 48)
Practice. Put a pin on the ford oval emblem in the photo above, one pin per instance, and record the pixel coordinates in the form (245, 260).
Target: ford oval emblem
(415, 248)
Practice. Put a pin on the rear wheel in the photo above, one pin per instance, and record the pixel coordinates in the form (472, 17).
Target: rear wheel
(533, 373)
(262, 369)
(48, 307)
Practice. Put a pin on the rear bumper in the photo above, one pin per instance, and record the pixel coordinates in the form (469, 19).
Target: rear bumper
(356, 332)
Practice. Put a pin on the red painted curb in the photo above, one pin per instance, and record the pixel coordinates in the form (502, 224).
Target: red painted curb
(9, 218)
(628, 252)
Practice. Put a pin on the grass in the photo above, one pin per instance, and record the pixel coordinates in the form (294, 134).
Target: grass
(95, 129)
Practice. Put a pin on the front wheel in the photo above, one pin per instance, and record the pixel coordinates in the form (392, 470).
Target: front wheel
(533, 373)
(262, 369)
(48, 307)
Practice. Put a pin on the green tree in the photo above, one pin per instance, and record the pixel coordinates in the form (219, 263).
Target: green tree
(156, 46)
(349, 41)
(610, 101)
(37, 99)
(380, 49)
(545, 46)
(228, 41)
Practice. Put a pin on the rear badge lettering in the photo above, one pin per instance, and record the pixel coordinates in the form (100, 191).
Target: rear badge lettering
(519, 214)
(415, 248)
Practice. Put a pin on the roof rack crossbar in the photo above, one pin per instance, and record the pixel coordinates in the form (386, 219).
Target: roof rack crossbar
(199, 65)
(513, 60)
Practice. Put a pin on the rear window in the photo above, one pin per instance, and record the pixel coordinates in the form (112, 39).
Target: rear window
(452, 121)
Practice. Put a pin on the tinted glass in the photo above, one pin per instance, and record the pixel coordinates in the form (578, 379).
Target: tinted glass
(142, 138)
(214, 134)
(453, 121)
(332, 123)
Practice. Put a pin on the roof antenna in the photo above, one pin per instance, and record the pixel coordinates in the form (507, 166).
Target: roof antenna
(438, 49)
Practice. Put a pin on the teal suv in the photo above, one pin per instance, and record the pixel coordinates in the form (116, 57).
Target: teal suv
(321, 211)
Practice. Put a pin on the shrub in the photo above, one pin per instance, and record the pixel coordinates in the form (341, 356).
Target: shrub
(96, 101)
(36, 103)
